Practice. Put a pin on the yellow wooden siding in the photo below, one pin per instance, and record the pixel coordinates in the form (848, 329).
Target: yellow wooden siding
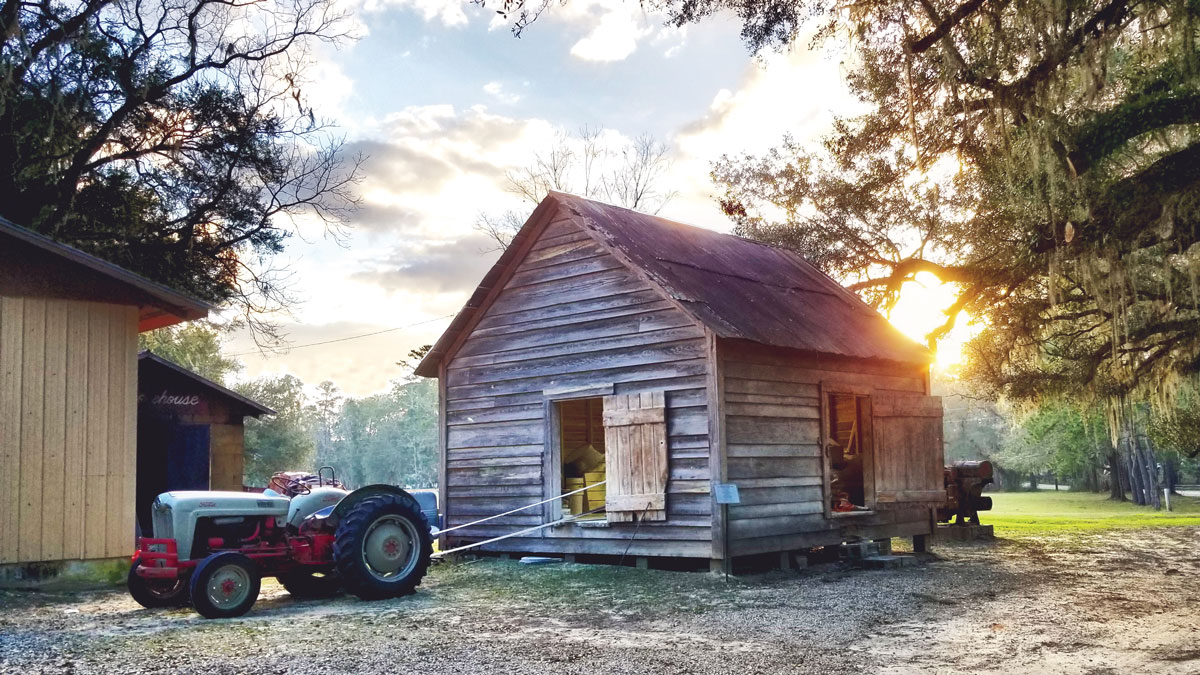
(68, 418)
(11, 320)
(227, 461)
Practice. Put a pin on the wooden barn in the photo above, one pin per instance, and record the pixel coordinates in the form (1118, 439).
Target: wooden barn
(665, 359)
(68, 397)
(190, 432)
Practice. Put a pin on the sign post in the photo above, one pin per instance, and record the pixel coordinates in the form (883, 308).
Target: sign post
(726, 494)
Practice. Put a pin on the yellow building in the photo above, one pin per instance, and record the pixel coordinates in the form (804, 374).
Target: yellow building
(68, 396)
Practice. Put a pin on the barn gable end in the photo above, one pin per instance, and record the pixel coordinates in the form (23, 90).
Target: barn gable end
(571, 321)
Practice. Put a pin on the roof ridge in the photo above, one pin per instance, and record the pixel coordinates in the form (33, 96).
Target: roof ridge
(680, 223)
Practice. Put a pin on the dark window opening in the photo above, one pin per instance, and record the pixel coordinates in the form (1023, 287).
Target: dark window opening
(581, 440)
(847, 453)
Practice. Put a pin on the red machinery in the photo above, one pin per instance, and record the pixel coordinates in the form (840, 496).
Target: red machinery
(213, 548)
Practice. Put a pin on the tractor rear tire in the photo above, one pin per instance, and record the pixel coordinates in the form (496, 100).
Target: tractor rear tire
(382, 547)
(303, 584)
(155, 593)
(225, 585)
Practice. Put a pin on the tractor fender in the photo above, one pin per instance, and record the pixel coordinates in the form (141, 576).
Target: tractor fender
(351, 500)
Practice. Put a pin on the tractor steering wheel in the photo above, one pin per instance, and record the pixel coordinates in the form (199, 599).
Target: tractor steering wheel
(298, 486)
(289, 486)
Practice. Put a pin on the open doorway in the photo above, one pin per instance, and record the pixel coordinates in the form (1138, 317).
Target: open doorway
(581, 441)
(848, 450)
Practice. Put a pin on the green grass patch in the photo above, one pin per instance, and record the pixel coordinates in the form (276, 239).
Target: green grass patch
(1043, 512)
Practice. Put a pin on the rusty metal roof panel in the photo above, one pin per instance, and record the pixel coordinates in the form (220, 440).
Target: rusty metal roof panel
(739, 288)
(743, 289)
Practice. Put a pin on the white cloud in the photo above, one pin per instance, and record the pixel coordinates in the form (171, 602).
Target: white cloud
(615, 35)
(412, 254)
(497, 91)
(445, 12)
(498, 21)
(796, 93)
(674, 38)
(329, 91)
(799, 93)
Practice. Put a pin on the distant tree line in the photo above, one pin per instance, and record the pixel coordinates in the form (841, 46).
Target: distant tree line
(1065, 442)
(389, 437)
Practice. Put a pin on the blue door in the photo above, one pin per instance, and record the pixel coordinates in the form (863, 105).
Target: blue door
(187, 458)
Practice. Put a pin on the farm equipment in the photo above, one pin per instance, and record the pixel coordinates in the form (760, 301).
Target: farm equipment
(964, 492)
(307, 530)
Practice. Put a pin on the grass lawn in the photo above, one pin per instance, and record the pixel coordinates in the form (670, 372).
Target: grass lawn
(1031, 513)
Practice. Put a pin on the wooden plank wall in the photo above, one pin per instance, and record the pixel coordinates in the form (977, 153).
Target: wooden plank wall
(227, 458)
(772, 427)
(572, 316)
(68, 417)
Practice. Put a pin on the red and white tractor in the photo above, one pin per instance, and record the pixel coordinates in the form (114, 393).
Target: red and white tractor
(306, 530)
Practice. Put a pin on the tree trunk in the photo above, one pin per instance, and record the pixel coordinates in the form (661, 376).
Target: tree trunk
(1149, 470)
(1033, 482)
(1126, 486)
(1116, 491)
(1170, 475)
(1133, 464)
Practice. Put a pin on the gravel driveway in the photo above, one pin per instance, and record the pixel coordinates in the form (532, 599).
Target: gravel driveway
(1118, 602)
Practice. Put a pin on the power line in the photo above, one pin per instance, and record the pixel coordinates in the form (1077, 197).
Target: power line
(351, 337)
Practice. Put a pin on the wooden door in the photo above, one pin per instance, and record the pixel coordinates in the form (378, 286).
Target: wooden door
(188, 458)
(635, 448)
(908, 450)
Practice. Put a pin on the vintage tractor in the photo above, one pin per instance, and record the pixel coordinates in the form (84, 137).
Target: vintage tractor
(307, 530)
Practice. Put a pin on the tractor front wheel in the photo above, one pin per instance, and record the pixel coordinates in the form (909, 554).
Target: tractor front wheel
(303, 584)
(157, 593)
(382, 547)
(225, 585)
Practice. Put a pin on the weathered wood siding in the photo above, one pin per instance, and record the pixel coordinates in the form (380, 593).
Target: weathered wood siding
(227, 459)
(773, 432)
(571, 316)
(68, 390)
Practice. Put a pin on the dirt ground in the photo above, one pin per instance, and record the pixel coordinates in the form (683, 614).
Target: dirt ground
(1112, 602)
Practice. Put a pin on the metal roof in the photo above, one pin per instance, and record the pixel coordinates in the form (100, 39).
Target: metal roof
(164, 306)
(255, 408)
(738, 288)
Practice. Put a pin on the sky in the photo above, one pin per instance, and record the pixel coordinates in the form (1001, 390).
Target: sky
(442, 100)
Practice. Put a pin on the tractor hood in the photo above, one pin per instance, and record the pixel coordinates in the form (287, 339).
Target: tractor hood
(175, 513)
(244, 502)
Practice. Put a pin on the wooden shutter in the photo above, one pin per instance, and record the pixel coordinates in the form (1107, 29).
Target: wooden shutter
(908, 449)
(635, 449)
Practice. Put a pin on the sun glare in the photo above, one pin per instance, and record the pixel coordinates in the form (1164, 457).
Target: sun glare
(921, 308)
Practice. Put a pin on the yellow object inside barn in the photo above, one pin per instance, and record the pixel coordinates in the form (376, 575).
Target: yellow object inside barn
(581, 424)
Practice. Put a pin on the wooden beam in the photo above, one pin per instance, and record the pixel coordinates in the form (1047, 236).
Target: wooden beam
(717, 442)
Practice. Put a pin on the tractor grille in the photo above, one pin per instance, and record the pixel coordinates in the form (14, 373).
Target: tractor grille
(163, 525)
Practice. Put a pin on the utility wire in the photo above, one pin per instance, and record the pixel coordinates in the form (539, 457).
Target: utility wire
(351, 337)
